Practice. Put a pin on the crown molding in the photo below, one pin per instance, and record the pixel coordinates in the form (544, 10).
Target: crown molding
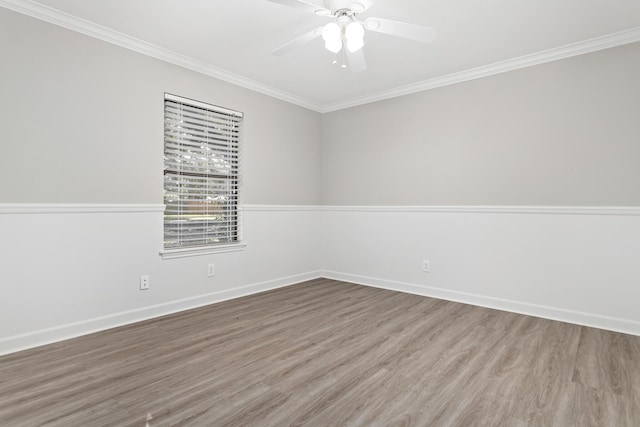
(56, 17)
(611, 40)
(91, 29)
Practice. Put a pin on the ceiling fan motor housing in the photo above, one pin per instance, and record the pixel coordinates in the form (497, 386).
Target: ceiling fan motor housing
(356, 6)
(344, 16)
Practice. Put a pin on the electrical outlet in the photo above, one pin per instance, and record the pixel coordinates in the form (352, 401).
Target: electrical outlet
(144, 282)
(211, 270)
(426, 265)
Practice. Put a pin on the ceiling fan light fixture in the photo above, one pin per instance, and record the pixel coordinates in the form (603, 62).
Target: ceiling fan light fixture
(332, 36)
(331, 32)
(354, 30)
(355, 44)
(333, 46)
(354, 35)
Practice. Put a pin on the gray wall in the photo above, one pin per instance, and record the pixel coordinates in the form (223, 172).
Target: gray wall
(83, 123)
(561, 133)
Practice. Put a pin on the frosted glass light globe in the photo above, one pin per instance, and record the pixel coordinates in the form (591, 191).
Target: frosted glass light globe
(354, 34)
(332, 36)
(331, 32)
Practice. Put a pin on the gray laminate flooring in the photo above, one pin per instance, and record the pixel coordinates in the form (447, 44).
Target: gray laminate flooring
(327, 353)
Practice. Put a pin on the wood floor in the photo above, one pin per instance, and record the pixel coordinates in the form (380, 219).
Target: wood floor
(326, 353)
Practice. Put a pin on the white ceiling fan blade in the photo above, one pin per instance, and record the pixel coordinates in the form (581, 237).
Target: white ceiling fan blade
(304, 5)
(401, 29)
(357, 63)
(297, 42)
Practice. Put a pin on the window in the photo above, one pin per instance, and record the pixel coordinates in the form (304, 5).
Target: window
(201, 177)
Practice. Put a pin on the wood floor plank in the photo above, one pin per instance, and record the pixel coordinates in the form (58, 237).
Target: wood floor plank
(325, 353)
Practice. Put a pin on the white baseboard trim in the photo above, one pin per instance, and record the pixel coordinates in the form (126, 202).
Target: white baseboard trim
(546, 312)
(29, 340)
(38, 338)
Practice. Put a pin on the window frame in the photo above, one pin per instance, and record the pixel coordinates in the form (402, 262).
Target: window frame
(237, 243)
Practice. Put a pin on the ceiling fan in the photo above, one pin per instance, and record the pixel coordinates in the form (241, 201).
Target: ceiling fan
(345, 33)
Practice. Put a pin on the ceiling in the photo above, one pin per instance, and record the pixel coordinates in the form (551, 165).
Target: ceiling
(233, 40)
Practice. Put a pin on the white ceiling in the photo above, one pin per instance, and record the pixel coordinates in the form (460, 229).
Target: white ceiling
(233, 40)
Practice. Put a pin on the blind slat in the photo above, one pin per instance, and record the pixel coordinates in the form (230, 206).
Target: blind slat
(192, 104)
(204, 134)
(179, 125)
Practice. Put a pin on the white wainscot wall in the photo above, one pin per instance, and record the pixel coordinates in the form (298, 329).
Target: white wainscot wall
(67, 270)
(580, 265)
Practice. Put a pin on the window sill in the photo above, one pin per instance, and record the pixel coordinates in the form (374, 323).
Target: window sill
(189, 252)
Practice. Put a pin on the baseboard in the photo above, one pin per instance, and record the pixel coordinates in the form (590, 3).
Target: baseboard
(29, 340)
(546, 312)
(41, 337)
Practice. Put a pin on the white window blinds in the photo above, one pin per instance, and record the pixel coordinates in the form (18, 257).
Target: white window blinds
(201, 174)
